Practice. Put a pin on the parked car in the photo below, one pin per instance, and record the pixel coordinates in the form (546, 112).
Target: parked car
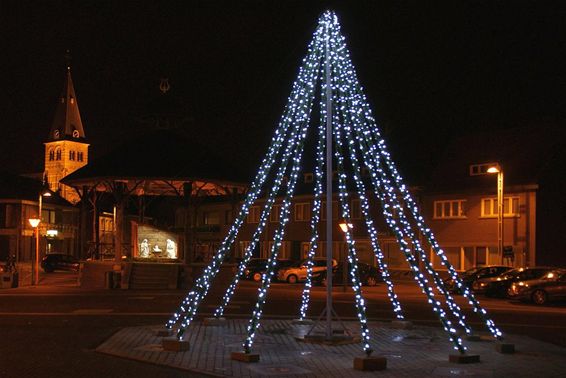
(298, 272)
(59, 261)
(472, 275)
(256, 268)
(499, 286)
(369, 275)
(551, 286)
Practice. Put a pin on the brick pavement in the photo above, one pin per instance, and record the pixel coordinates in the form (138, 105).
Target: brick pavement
(421, 351)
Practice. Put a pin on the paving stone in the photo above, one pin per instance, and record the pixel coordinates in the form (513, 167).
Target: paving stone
(421, 351)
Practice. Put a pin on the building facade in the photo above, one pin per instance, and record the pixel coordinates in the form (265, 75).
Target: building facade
(19, 201)
(459, 204)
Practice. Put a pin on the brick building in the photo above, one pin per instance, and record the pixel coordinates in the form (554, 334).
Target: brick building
(19, 201)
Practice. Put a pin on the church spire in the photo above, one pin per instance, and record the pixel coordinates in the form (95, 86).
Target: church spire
(67, 122)
(66, 149)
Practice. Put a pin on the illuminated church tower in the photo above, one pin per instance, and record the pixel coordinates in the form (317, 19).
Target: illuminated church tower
(66, 149)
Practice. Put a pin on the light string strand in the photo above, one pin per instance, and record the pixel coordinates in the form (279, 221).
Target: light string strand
(352, 255)
(196, 294)
(375, 140)
(345, 107)
(317, 204)
(254, 322)
(386, 201)
(304, 119)
(386, 186)
(313, 69)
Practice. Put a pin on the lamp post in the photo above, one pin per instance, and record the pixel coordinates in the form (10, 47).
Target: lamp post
(345, 227)
(497, 169)
(34, 222)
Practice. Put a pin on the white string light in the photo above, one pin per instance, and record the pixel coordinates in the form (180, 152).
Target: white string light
(315, 218)
(190, 303)
(377, 148)
(313, 70)
(353, 117)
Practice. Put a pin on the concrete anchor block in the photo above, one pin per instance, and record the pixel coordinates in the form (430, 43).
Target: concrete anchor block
(505, 348)
(244, 357)
(214, 322)
(464, 358)
(370, 363)
(173, 344)
(401, 324)
(165, 332)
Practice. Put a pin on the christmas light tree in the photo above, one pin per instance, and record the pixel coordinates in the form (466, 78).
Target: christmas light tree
(347, 126)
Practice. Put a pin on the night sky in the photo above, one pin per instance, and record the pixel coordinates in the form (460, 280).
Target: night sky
(431, 72)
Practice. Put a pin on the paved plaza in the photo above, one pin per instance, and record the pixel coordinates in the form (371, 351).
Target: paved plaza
(418, 352)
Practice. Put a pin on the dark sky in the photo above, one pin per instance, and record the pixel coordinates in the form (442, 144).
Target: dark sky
(432, 70)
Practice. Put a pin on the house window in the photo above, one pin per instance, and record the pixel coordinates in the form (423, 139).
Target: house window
(335, 210)
(71, 155)
(58, 154)
(452, 209)
(267, 247)
(48, 216)
(308, 178)
(79, 156)
(253, 215)
(480, 169)
(489, 207)
(51, 155)
(211, 218)
(305, 247)
(274, 215)
(228, 217)
(243, 247)
(302, 212)
(356, 210)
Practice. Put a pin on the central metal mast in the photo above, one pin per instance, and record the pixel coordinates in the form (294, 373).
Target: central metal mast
(329, 175)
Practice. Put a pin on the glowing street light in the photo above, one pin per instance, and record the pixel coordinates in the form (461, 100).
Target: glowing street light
(496, 168)
(34, 222)
(345, 227)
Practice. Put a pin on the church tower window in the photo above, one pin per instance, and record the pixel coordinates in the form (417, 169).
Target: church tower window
(58, 154)
(51, 155)
(72, 155)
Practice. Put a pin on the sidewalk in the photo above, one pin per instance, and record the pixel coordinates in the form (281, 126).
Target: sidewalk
(53, 280)
(422, 351)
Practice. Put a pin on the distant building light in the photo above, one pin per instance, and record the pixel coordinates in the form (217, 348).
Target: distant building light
(51, 233)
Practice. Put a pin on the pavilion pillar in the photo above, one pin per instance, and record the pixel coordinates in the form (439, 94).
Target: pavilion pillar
(120, 197)
(83, 220)
(119, 234)
(188, 254)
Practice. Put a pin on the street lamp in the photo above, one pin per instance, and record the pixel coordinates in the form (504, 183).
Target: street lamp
(345, 227)
(35, 223)
(496, 168)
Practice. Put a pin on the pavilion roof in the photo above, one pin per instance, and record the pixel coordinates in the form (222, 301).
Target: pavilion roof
(160, 162)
